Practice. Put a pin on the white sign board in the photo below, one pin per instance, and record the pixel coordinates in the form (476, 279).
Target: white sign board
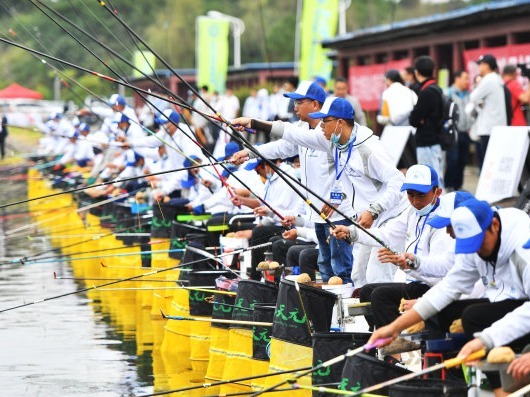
(394, 140)
(503, 165)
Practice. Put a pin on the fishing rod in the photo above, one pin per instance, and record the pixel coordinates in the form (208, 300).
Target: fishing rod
(449, 363)
(245, 142)
(153, 272)
(78, 189)
(225, 382)
(325, 364)
(217, 321)
(53, 260)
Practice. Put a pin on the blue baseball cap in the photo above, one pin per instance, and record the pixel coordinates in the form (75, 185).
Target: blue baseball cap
(335, 107)
(421, 178)
(448, 203)
(121, 118)
(320, 80)
(252, 164)
(308, 90)
(168, 116)
(190, 160)
(526, 245)
(83, 127)
(470, 220)
(116, 99)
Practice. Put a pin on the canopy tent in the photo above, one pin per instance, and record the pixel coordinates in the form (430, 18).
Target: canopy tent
(17, 91)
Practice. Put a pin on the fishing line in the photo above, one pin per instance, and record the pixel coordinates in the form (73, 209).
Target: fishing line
(153, 272)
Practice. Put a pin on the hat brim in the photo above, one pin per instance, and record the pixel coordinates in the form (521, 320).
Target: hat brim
(187, 183)
(295, 95)
(317, 115)
(469, 245)
(439, 222)
(160, 120)
(416, 187)
(526, 245)
(252, 165)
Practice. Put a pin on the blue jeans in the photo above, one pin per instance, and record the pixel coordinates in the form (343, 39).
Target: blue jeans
(433, 156)
(456, 162)
(335, 258)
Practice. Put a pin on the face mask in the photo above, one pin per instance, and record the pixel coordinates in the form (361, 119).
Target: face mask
(164, 157)
(268, 175)
(343, 147)
(298, 173)
(334, 139)
(425, 210)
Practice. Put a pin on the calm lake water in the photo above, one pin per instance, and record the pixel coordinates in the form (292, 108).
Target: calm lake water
(63, 347)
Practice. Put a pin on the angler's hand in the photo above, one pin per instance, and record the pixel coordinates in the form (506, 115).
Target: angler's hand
(386, 256)
(406, 304)
(206, 182)
(288, 221)
(290, 234)
(240, 157)
(386, 334)
(261, 211)
(236, 201)
(340, 232)
(520, 367)
(471, 347)
(241, 123)
(365, 219)
(327, 210)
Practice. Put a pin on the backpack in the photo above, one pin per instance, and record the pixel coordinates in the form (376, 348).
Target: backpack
(508, 104)
(448, 132)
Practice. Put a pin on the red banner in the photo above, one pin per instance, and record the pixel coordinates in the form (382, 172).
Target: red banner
(510, 54)
(367, 83)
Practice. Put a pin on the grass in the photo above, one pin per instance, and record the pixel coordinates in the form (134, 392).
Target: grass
(19, 142)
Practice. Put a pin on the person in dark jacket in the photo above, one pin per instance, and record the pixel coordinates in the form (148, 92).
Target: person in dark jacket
(3, 136)
(426, 117)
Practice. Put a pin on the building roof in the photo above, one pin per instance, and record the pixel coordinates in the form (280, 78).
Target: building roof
(438, 22)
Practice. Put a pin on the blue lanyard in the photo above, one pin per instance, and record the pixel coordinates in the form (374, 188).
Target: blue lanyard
(267, 186)
(423, 226)
(337, 173)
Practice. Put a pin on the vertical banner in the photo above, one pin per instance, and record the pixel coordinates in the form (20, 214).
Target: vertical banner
(319, 22)
(143, 61)
(212, 52)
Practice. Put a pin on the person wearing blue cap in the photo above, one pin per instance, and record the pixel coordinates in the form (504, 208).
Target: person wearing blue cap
(427, 257)
(488, 248)
(119, 105)
(177, 138)
(317, 173)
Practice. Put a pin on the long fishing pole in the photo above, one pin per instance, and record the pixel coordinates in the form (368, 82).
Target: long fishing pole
(153, 272)
(325, 364)
(235, 134)
(78, 189)
(216, 320)
(224, 382)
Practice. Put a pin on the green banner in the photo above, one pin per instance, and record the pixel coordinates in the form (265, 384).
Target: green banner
(319, 22)
(144, 61)
(212, 53)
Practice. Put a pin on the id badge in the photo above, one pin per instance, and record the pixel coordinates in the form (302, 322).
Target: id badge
(335, 197)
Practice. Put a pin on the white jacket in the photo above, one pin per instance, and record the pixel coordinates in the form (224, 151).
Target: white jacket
(369, 177)
(317, 171)
(510, 281)
(433, 248)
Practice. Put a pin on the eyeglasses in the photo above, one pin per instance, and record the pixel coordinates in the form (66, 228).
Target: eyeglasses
(299, 102)
(325, 121)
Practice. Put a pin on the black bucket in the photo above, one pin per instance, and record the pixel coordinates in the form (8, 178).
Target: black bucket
(223, 309)
(124, 222)
(261, 336)
(428, 388)
(196, 260)
(179, 234)
(163, 215)
(363, 370)
(327, 345)
(202, 278)
(249, 293)
(294, 322)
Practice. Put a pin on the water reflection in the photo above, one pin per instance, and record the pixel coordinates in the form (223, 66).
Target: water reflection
(68, 346)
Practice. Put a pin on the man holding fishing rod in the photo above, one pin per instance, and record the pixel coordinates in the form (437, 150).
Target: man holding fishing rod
(488, 248)
(335, 257)
(360, 175)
